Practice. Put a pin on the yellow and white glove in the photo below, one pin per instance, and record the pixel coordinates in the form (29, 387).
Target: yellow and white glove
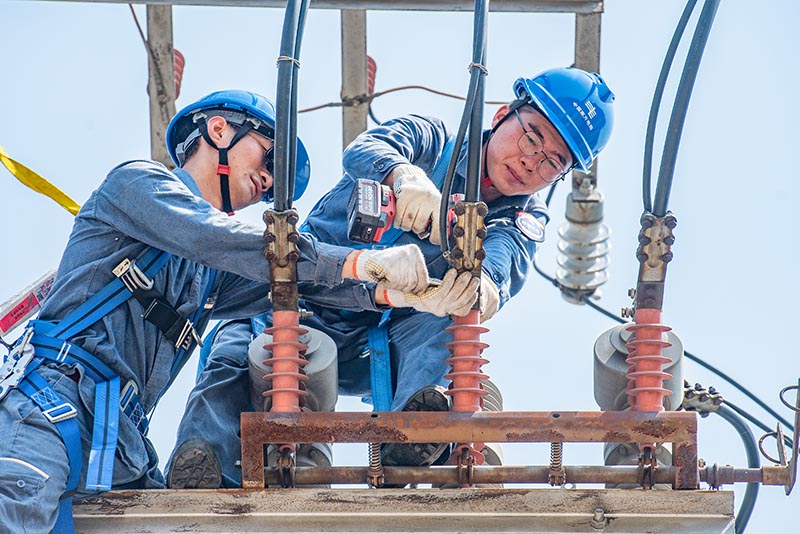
(401, 268)
(490, 298)
(417, 202)
(454, 295)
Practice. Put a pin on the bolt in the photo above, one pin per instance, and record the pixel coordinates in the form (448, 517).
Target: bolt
(458, 231)
(268, 218)
(599, 520)
(669, 240)
(481, 233)
(480, 254)
(482, 210)
(667, 257)
(632, 292)
(626, 312)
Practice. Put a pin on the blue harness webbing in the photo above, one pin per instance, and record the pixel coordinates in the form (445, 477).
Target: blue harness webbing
(380, 367)
(51, 343)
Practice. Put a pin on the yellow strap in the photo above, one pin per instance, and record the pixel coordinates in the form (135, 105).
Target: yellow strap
(38, 183)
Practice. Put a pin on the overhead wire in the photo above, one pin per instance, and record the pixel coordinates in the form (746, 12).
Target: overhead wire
(656, 105)
(753, 462)
(681, 105)
(370, 97)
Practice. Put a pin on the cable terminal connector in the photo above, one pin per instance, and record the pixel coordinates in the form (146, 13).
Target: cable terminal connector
(701, 400)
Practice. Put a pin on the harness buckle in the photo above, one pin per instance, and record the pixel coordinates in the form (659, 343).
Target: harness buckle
(129, 391)
(132, 276)
(59, 413)
(187, 335)
(13, 368)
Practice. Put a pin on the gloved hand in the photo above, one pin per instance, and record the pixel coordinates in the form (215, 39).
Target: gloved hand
(401, 268)
(417, 202)
(490, 298)
(454, 295)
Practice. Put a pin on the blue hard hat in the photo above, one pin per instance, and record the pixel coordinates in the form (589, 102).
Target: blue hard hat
(235, 106)
(578, 103)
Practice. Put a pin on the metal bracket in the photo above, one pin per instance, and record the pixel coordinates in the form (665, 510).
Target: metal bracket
(469, 232)
(654, 253)
(282, 254)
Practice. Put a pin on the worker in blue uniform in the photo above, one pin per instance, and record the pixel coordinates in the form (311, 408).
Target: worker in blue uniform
(560, 120)
(153, 255)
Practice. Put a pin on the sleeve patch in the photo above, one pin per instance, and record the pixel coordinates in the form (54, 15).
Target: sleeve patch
(530, 226)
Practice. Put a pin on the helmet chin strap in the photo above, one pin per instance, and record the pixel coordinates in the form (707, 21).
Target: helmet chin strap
(223, 169)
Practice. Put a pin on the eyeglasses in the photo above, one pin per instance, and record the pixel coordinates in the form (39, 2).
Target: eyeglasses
(269, 155)
(530, 144)
(269, 160)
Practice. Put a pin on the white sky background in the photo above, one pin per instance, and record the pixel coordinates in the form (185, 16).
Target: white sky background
(74, 105)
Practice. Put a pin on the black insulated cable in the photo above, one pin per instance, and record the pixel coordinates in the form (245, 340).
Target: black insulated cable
(753, 462)
(680, 107)
(656, 105)
(286, 104)
(468, 118)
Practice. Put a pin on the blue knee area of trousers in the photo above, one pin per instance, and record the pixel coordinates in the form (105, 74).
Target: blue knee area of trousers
(218, 398)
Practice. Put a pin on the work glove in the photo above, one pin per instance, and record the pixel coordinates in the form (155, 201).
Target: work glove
(417, 201)
(454, 295)
(401, 268)
(490, 298)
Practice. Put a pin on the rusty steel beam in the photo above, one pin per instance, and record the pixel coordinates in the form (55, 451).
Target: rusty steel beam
(448, 475)
(424, 427)
(679, 428)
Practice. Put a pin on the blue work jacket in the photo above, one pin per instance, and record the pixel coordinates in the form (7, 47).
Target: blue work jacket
(420, 141)
(141, 204)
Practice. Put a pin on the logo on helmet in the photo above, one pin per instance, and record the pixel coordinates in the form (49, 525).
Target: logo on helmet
(586, 117)
(590, 108)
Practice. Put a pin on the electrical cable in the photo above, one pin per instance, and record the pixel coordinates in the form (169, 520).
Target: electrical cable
(478, 69)
(656, 104)
(696, 359)
(753, 462)
(285, 135)
(786, 440)
(369, 98)
(475, 89)
(681, 105)
(371, 115)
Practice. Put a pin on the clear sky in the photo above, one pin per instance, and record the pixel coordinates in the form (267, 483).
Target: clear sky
(74, 105)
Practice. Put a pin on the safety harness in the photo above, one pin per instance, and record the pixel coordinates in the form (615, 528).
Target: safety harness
(48, 342)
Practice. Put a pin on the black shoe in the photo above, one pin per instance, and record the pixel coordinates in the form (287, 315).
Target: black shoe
(427, 399)
(195, 466)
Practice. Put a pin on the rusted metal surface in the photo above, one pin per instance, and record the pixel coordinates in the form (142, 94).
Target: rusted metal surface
(361, 510)
(449, 475)
(718, 475)
(422, 427)
(679, 428)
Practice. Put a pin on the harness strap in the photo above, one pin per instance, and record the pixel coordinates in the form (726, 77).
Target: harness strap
(62, 415)
(108, 298)
(106, 401)
(380, 365)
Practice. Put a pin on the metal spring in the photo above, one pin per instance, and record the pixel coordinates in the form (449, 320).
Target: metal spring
(466, 362)
(287, 376)
(556, 455)
(646, 377)
(557, 475)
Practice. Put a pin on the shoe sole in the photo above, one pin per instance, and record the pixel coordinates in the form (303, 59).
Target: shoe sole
(194, 467)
